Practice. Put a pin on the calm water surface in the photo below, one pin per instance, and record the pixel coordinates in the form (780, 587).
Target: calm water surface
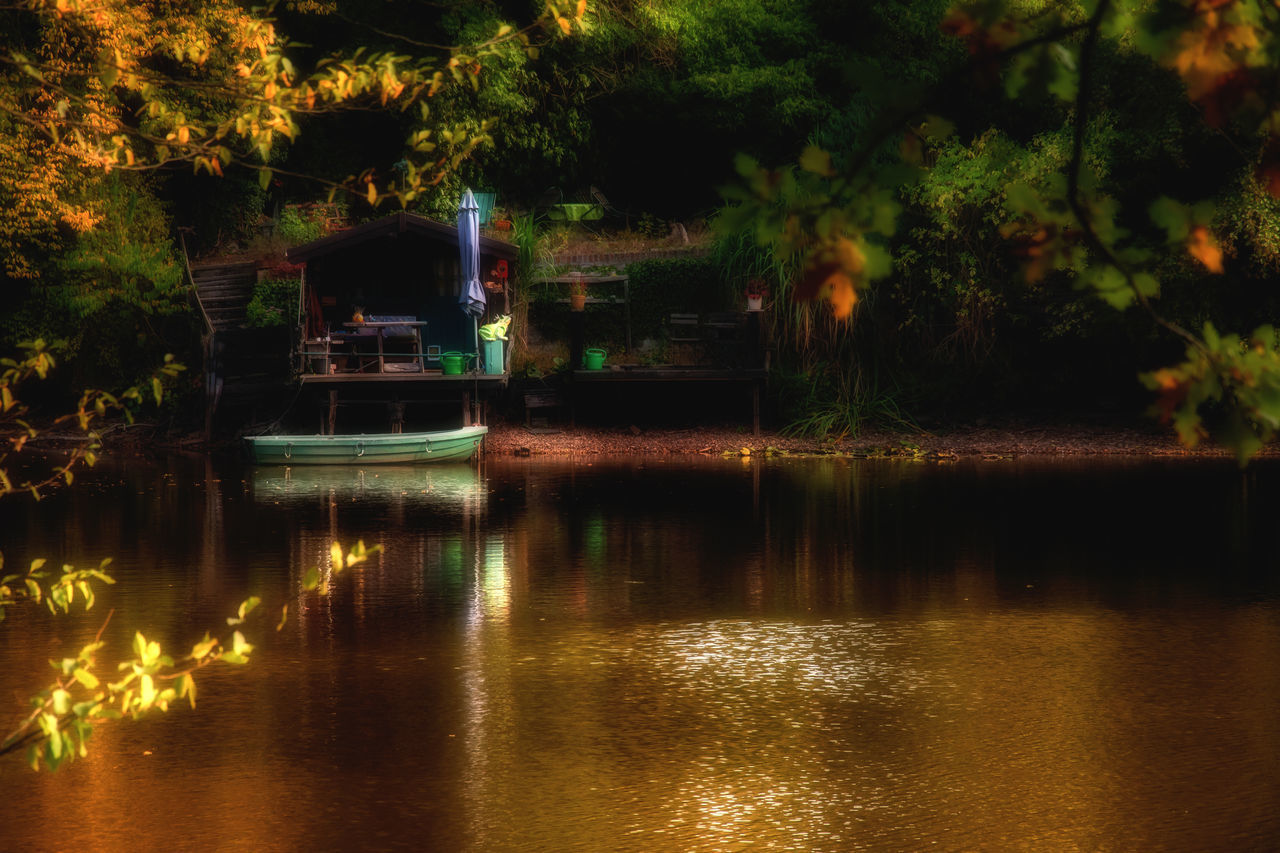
(821, 655)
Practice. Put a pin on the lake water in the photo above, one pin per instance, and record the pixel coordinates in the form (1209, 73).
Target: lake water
(675, 655)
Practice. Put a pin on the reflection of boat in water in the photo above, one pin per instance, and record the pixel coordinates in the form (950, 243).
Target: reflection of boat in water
(455, 445)
(450, 483)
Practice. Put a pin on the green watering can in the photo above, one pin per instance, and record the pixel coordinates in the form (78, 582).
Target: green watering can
(593, 358)
(453, 363)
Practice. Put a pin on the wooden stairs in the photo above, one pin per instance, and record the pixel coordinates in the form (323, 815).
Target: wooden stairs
(246, 370)
(225, 291)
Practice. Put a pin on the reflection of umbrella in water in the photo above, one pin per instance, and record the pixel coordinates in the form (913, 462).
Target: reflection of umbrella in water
(472, 298)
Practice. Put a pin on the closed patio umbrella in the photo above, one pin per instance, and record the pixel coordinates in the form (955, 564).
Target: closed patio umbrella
(472, 298)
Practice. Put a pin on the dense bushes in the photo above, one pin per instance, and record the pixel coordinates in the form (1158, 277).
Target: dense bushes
(274, 303)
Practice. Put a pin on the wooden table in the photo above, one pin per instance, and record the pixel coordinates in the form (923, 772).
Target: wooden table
(379, 329)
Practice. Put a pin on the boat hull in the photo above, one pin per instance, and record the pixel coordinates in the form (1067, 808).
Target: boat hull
(456, 445)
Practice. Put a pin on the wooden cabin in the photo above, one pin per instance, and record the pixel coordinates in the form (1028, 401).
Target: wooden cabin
(401, 275)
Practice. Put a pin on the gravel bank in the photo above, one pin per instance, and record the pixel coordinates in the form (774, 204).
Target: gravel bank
(980, 441)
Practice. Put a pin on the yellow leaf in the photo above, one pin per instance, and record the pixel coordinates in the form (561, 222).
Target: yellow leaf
(183, 135)
(814, 159)
(372, 194)
(565, 26)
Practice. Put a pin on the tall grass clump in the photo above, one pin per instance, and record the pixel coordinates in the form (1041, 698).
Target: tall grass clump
(532, 253)
(828, 379)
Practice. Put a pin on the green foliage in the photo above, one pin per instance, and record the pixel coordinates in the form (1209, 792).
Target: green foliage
(59, 594)
(274, 303)
(659, 287)
(295, 229)
(1239, 380)
(744, 75)
(36, 360)
(835, 400)
(1029, 198)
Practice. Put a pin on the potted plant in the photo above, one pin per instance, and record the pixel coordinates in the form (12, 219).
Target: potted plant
(577, 294)
(756, 292)
(501, 221)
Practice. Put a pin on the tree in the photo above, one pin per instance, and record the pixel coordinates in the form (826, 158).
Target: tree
(103, 103)
(838, 211)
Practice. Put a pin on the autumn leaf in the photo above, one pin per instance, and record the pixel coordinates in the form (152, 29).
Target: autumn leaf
(1218, 59)
(1203, 248)
(841, 295)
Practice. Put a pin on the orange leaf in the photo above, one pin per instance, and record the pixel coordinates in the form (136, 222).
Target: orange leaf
(1202, 247)
(842, 296)
(582, 9)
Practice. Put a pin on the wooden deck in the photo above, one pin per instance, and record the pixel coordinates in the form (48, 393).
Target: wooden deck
(469, 390)
(343, 380)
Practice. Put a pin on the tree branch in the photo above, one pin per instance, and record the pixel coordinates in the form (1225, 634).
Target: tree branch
(1074, 200)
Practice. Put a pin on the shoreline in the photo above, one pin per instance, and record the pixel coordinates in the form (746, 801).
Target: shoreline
(982, 441)
(995, 441)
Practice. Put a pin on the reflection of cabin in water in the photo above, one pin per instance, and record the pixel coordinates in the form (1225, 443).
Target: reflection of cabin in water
(402, 273)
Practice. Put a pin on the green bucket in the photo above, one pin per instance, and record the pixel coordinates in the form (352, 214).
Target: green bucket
(452, 362)
(593, 358)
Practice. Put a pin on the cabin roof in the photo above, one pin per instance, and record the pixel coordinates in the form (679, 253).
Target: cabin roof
(396, 223)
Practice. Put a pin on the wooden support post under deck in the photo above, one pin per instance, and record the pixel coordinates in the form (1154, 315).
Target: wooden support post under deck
(333, 411)
(466, 408)
(577, 338)
(755, 408)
